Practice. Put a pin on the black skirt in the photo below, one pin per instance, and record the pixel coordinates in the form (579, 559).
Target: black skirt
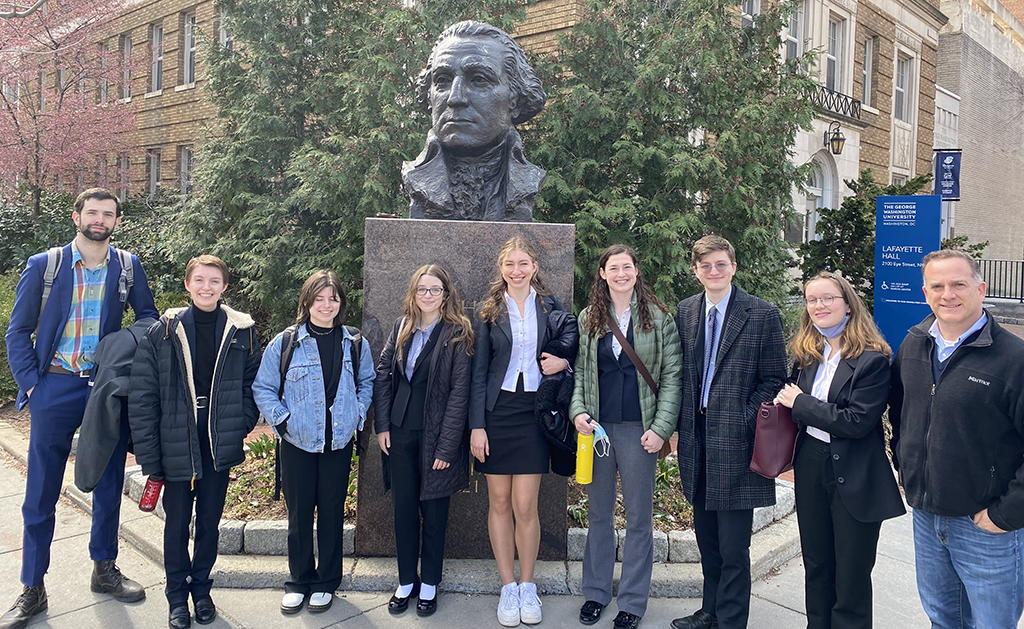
(513, 436)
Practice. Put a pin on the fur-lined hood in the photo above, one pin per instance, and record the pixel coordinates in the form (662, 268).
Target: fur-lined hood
(238, 319)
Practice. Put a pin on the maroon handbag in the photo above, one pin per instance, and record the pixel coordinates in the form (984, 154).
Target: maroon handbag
(774, 441)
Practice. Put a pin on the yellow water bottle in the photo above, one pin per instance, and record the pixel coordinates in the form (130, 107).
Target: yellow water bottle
(584, 458)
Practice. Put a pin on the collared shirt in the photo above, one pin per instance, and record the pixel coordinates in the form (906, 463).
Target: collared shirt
(822, 383)
(77, 346)
(524, 345)
(943, 348)
(419, 340)
(720, 307)
(624, 327)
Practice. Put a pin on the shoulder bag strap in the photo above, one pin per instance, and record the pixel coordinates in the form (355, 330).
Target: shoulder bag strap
(633, 358)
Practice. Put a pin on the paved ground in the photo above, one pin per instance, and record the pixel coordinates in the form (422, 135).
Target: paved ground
(777, 602)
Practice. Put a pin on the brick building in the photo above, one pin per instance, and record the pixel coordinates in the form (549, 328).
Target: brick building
(981, 60)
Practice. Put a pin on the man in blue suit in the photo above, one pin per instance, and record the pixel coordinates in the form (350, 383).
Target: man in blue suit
(86, 301)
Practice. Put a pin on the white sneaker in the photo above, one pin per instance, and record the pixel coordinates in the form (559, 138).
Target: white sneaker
(292, 602)
(529, 604)
(508, 606)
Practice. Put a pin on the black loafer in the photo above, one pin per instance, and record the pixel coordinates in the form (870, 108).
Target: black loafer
(426, 608)
(206, 611)
(590, 613)
(699, 619)
(626, 620)
(398, 605)
(179, 618)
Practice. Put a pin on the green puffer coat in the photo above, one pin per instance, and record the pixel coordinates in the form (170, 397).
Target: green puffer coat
(660, 352)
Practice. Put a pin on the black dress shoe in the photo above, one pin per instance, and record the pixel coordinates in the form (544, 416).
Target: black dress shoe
(426, 608)
(590, 613)
(31, 601)
(206, 611)
(699, 619)
(626, 620)
(179, 617)
(107, 579)
(398, 604)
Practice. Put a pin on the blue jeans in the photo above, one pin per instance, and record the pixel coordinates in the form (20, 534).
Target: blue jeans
(966, 576)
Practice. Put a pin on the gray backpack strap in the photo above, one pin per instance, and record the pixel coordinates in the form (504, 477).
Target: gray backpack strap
(127, 278)
(54, 256)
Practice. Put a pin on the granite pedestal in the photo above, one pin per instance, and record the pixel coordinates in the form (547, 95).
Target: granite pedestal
(394, 249)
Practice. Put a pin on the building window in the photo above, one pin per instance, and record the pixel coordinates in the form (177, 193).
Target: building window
(42, 91)
(153, 166)
(795, 34)
(104, 87)
(101, 170)
(188, 59)
(11, 91)
(186, 159)
(227, 40)
(61, 80)
(902, 90)
(124, 166)
(868, 71)
(898, 180)
(156, 44)
(749, 9)
(834, 54)
(126, 66)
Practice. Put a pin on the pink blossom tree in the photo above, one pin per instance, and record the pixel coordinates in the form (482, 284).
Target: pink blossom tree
(64, 120)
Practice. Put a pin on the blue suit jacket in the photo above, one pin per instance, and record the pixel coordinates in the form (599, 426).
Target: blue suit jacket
(28, 361)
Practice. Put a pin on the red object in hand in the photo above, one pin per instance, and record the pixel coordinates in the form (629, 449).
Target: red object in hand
(151, 494)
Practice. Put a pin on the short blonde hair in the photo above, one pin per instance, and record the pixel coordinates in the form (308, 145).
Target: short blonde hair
(206, 260)
(710, 244)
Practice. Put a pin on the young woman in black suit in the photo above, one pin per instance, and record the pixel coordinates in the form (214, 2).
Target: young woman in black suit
(513, 324)
(420, 398)
(845, 485)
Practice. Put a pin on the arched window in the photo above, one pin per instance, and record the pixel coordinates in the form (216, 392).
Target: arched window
(820, 192)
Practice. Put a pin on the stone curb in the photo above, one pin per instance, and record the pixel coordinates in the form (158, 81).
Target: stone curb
(771, 546)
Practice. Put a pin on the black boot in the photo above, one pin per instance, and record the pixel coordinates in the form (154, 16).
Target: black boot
(107, 579)
(31, 601)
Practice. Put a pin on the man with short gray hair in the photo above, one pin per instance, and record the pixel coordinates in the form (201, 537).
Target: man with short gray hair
(957, 412)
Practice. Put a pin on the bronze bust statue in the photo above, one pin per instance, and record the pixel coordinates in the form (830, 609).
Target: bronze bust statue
(477, 85)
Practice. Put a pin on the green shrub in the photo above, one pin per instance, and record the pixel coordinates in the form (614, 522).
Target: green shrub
(8, 389)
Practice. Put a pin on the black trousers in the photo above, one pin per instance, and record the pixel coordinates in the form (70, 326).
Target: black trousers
(192, 574)
(314, 480)
(723, 538)
(838, 550)
(406, 476)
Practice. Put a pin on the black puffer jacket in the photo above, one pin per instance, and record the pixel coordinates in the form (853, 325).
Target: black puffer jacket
(162, 402)
(446, 409)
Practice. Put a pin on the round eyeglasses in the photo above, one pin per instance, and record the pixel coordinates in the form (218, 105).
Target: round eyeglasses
(434, 291)
(825, 300)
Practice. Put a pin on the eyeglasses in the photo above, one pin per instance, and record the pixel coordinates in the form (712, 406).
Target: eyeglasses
(720, 267)
(435, 291)
(825, 301)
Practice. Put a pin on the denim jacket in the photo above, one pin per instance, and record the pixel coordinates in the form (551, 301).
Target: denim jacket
(303, 403)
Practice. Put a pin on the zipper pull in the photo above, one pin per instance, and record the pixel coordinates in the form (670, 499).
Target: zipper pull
(193, 482)
(933, 390)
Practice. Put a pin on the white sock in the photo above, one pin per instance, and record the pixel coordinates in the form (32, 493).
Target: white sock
(427, 592)
(404, 591)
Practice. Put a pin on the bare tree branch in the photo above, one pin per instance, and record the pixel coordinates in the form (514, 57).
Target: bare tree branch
(23, 12)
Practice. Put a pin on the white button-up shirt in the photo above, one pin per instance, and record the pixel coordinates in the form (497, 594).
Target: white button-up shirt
(524, 345)
(822, 383)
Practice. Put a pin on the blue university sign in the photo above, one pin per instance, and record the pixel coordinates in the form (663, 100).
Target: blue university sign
(947, 175)
(906, 229)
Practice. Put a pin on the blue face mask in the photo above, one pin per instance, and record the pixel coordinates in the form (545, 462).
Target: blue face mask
(600, 436)
(835, 330)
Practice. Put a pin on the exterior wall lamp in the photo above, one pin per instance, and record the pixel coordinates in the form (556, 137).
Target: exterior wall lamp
(834, 138)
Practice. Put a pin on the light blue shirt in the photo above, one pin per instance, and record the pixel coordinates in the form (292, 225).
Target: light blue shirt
(943, 348)
(719, 323)
(419, 340)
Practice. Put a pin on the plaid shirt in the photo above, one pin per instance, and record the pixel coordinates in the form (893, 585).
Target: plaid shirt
(77, 345)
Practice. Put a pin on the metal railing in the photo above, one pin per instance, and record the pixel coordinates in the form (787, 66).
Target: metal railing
(1004, 278)
(837, 102)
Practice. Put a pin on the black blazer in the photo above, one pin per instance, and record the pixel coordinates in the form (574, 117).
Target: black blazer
(492, 352)
(853, 416)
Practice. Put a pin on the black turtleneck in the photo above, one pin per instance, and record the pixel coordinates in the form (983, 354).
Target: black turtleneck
(328, 345)
(206, 348)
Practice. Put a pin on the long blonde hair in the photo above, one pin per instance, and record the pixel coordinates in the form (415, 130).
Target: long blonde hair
(496, 293)
(859, 335)
(451, 309)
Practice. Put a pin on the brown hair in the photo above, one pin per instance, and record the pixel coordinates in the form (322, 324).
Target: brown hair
(859, 335)
(949, 254)
(99, 194)
(599, 302)
(315, 283)
(206, 260)
(451, 309)
(495, 299)
(710, 244)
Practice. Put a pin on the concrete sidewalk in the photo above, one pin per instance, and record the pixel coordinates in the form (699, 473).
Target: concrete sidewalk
(777, 602)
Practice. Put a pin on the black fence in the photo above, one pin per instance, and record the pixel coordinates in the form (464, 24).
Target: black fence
(1004, 278)
(836, 102)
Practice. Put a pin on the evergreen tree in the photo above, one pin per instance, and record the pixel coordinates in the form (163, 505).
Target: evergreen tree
(666, 121)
